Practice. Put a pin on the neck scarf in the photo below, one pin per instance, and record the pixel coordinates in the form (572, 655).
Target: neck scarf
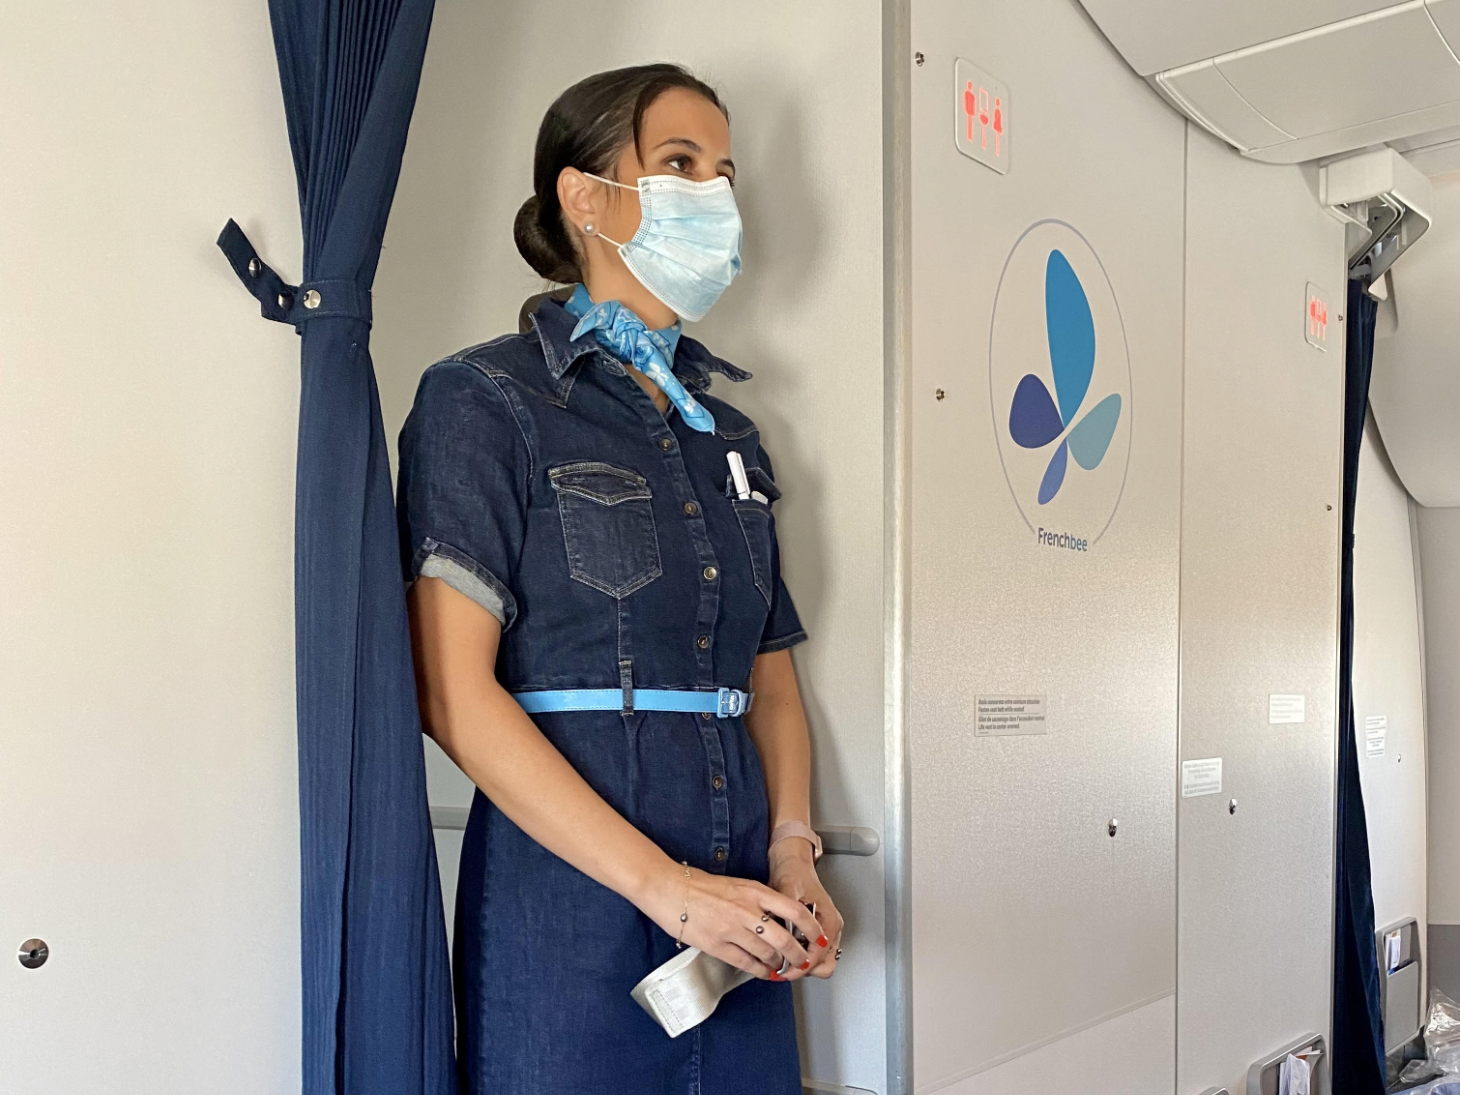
(623, 334)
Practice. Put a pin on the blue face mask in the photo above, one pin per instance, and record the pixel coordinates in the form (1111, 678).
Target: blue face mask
(687, 249)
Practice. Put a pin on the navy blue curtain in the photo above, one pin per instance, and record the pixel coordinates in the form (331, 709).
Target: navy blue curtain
(376, 981)
(1358, 1038)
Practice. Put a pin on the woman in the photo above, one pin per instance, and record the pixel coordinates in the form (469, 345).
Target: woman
(593, 584)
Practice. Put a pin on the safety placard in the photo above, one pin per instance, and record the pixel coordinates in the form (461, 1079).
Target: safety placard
(1286, 709)
(1002, 716)
(1201, 777)
(1376, 729)
(980, 116)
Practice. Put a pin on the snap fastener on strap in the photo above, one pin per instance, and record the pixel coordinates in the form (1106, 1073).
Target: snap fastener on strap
(285, 303)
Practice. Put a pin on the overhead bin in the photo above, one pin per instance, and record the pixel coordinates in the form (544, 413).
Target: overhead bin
(1359, 74)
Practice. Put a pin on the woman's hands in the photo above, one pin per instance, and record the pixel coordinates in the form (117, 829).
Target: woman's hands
(731, 918)
(794, 874)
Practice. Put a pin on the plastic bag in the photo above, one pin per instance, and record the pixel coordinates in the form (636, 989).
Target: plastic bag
(1442, 1032)
(1442, 1042)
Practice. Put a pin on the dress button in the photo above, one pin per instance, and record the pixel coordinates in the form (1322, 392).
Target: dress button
(691, 508)
(717, 782)
(666, 443)
(703, 642)
(719, 855)
(711, 574)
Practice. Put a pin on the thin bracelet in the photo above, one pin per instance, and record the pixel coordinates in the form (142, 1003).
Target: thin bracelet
(684, 916)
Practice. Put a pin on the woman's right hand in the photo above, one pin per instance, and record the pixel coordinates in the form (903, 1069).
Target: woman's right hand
(724, 915)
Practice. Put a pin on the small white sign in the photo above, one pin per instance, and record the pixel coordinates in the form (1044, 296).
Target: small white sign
(1201, 777)
(1376, 729)
(1004, 716)
(1286, 709)
(980, 116)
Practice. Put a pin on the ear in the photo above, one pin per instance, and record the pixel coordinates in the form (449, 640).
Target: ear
(580, 197)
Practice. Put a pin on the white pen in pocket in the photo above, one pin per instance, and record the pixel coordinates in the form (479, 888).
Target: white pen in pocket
(737, 476)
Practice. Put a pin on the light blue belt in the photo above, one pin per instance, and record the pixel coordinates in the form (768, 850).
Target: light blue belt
(726, 703)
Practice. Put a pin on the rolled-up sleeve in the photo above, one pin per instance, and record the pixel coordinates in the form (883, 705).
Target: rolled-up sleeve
(462, 494)
(783, 627)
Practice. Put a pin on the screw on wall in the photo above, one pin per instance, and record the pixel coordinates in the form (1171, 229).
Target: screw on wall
(33, 953)
(918, 59)
(1232, 807)
(1112, 826)
(939, 393)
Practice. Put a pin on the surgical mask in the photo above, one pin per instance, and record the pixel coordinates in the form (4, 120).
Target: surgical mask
(687, 249)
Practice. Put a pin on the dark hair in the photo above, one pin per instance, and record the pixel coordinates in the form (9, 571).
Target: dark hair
(587, 127)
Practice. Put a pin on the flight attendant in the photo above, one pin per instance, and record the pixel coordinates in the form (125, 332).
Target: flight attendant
(595, 599)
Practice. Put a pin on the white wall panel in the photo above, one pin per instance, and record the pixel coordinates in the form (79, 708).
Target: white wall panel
(1439, 541)
(803, 84)
(147, 423)
(1259, 610)
(1389, 685)
(1031, 923)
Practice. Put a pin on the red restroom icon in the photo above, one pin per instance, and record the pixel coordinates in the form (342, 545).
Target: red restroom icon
(976, 108)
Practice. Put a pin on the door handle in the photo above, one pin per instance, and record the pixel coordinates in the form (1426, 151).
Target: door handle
(848, 840)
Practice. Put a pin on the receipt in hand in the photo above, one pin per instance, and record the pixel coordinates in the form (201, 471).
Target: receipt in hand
(1293, 1079)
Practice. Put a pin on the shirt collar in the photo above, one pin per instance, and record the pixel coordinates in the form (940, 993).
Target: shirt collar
(690, 361)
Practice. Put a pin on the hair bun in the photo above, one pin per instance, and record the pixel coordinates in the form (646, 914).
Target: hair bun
(537, 246)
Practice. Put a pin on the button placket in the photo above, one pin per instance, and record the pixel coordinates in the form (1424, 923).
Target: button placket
(719, 849)
(672, 451)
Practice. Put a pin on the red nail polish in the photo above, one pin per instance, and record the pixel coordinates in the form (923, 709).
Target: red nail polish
(806, 965)
(776, 976)
(823, 941)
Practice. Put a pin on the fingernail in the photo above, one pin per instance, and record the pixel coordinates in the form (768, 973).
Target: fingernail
(806, 965)
(823, 941)
(776, 976)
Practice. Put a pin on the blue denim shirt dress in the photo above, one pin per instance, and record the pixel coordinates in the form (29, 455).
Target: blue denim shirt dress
(539, 479)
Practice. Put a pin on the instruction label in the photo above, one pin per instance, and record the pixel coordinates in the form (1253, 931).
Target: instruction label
(1201, 777)
(1286, 709)
(1003, 716)
(1376, 729)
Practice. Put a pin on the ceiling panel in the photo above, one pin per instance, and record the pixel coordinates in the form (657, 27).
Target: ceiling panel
(1365, 71)
(1159, 34)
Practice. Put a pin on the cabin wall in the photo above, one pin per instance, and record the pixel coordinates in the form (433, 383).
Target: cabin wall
(1043, 947)
(148, 793)
(1212, 587)
(1439, 533)
(803, 85)
(1389, 688)
(1261, 507)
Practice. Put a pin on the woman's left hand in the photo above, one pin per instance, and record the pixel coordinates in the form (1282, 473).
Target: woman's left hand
(793, 874)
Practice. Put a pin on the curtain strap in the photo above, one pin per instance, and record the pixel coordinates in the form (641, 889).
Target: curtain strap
(285, 303)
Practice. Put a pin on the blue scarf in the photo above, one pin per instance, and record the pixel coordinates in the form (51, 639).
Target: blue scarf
(623, 334)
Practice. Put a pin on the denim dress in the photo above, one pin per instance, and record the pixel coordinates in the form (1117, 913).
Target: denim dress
(538, 478)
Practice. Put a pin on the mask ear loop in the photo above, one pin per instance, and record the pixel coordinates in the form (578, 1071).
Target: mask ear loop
(589, 229)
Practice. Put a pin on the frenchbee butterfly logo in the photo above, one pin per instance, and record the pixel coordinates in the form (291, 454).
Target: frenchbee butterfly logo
(1059, 380)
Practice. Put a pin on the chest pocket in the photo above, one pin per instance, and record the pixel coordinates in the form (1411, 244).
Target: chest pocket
(608, 526)
(755, 523)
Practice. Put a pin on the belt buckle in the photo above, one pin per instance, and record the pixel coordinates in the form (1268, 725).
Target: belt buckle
(730, 702)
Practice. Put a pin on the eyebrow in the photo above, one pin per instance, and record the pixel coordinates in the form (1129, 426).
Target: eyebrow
(693, 146)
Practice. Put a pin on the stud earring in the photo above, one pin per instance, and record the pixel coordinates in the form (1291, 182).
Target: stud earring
(589, 228)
